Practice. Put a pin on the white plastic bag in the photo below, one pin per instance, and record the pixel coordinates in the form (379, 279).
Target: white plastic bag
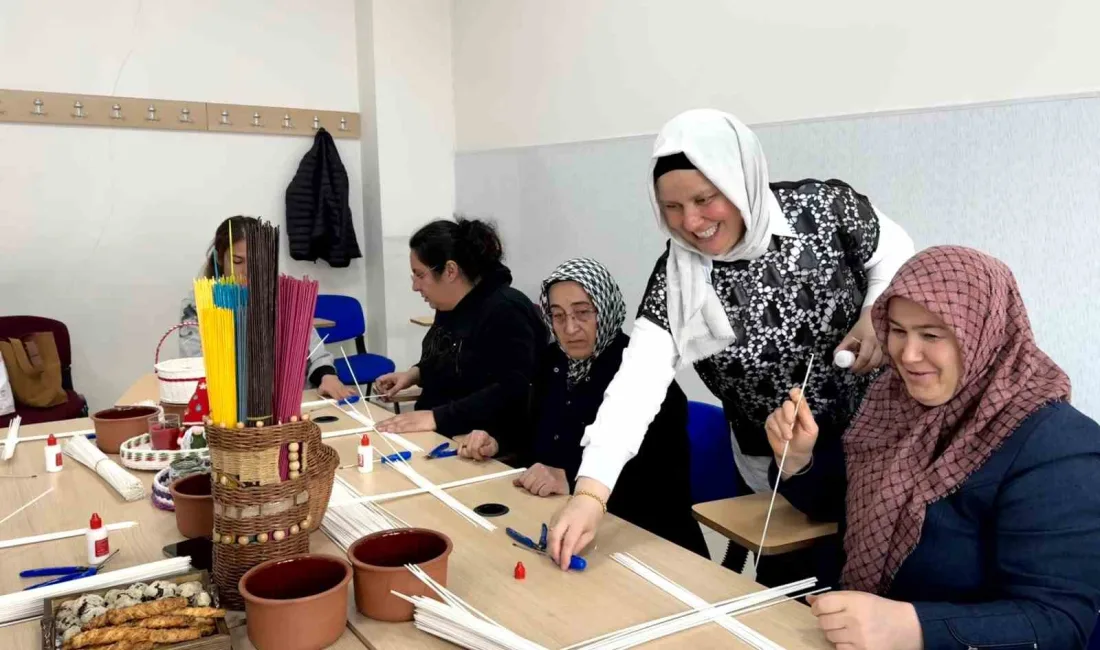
(7, 398)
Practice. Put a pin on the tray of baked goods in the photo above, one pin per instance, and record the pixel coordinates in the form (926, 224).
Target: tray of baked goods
(176, 613)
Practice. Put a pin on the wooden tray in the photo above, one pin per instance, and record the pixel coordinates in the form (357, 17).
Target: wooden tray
(220, 640)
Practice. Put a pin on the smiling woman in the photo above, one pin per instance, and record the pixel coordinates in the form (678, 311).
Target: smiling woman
(757, 277)
(968, 488)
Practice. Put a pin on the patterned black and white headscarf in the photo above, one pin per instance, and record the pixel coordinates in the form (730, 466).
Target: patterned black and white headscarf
(606, 298)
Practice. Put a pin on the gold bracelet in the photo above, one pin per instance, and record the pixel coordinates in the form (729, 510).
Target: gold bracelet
(586, 493)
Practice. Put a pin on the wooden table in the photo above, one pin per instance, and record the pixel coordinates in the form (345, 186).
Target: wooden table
(323, 322)
(742, 520)
(425, 321)
(550, 607)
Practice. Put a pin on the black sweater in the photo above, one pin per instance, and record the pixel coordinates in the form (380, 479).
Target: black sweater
(477, 361)
(654, 489)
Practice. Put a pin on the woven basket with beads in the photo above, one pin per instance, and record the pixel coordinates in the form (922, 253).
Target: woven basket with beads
(257, 516)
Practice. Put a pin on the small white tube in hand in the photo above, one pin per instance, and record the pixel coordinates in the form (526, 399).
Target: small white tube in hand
(844, 359)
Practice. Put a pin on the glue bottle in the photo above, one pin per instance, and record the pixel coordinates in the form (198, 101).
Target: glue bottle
(96, 538)
(366, 457)
(53, 455)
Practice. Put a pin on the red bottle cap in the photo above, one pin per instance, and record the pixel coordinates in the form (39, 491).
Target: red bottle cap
(96, 523)
(51, 441)
(521, 571)
(365, 440)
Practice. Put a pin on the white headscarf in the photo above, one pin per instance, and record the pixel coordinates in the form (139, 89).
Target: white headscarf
(729, 155)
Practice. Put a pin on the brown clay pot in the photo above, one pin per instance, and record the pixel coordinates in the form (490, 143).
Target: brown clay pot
(296, 603)
(379, 560)
(115, 426)
(191, 495)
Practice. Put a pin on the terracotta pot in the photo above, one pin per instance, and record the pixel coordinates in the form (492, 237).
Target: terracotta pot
(191, 495)
(379, 560)
(116, 425)
(296, 603)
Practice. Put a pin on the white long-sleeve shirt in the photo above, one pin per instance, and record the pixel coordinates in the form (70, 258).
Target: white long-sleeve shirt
(649, 365)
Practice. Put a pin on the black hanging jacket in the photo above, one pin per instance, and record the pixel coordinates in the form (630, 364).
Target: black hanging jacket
(318, 217)
(654, 489)
(477, 362)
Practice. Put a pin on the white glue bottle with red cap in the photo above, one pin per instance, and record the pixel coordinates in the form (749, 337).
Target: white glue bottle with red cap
(53, 455)
(96, 537)
(366, 457)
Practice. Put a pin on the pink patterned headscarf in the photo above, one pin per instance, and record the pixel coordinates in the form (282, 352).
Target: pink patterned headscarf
(903, 456)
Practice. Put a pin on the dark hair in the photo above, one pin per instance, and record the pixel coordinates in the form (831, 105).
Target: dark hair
(473, 245)
(216, 253)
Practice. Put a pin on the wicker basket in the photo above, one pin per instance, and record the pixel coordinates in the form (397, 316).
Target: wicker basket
(257, 517)
(178, 378)
(138, 453)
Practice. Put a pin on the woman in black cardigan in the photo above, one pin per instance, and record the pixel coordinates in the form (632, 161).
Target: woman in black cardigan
(586, 310)
(478, 358)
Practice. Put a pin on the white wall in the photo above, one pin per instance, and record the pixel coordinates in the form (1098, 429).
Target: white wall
(536, 72)
(408, 97)
(105, 228)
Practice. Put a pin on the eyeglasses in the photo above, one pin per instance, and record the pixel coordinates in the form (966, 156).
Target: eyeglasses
(582, 315)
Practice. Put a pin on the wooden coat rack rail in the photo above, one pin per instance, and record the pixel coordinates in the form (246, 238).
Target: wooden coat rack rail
(32, 107)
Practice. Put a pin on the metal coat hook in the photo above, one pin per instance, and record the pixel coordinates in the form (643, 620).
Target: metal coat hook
(185, 115)
(256, 120)
(316, 123)
(38, 112)
(78, 110)
(287, 124)
(116, 112)
(343, 124)
(225, 119)
(152, 116)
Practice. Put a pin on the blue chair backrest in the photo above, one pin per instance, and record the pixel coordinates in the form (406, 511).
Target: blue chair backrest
(346, 312)
(713, 473)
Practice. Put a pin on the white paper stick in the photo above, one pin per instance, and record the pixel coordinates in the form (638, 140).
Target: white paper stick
(26, 505)
(345, 432)
(371, 498)
(65, 534)
(13, 437)
(59, 436)
(28, 604)
(734, 627)
(782, 459)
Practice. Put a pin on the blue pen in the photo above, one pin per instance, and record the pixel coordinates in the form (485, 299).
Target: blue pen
(576, 563)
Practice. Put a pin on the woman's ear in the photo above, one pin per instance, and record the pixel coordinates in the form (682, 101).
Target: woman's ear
(451, 271)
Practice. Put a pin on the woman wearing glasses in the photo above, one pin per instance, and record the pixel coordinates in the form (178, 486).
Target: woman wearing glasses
(478, 358)
(585, 308)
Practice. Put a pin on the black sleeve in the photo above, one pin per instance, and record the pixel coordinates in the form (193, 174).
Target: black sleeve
(819, 493)
(514, 338)
(320, 373)
(654, 304)
(857, 225)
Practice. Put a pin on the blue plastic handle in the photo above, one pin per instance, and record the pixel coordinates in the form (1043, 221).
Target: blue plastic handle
(393, 458)
(348, 400)
(578, 563)
(52, 571)
(73, 576)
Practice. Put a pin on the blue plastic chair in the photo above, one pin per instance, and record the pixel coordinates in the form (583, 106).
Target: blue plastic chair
(713, 473)
(347, 313)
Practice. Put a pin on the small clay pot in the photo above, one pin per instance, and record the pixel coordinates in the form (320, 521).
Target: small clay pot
(191, 495)
(379, 560)
(115, 426)
(296, 603)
